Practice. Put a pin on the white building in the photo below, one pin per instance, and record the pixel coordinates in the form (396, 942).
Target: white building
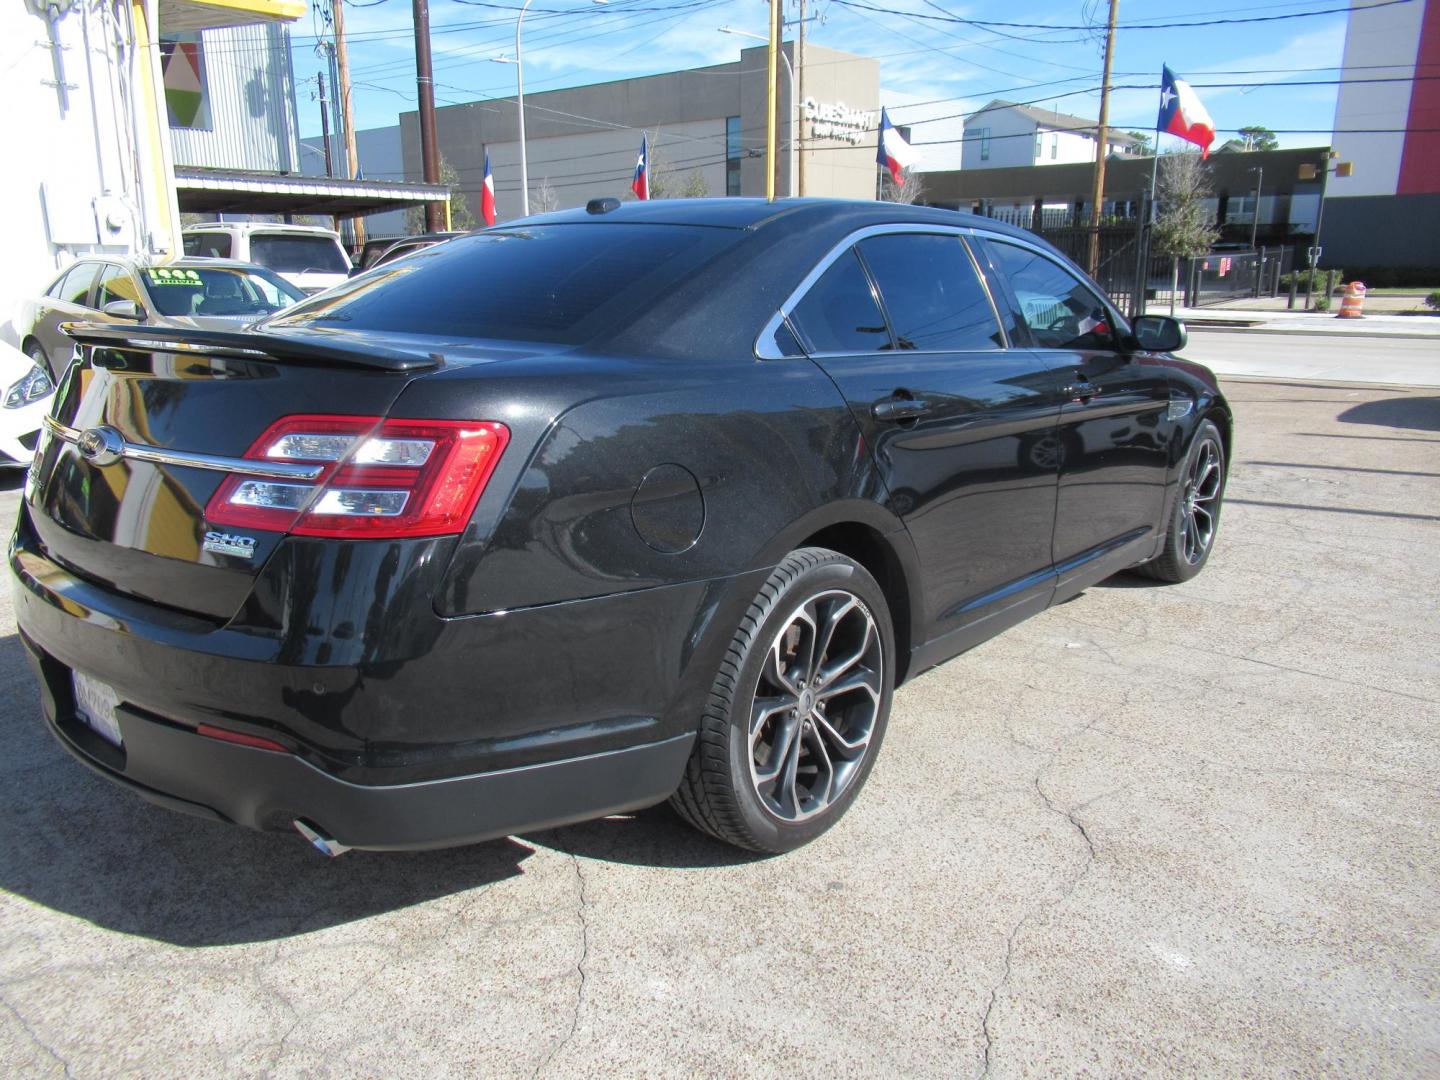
(1003, 135)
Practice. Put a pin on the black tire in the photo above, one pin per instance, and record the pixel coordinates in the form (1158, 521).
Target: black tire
(36, 352)
(1188, 543)
(723, 792)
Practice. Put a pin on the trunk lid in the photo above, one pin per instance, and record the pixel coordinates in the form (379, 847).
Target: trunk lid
(139, 526)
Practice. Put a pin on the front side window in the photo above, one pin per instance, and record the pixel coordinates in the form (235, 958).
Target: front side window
(291, 254)
(116, 284)
(839, 313)
(932, 293)
(1060, 310)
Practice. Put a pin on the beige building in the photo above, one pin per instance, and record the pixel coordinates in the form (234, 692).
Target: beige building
(706, 128)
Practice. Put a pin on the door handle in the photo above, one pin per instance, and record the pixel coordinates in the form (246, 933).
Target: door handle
(896, 409)
(1081, 391)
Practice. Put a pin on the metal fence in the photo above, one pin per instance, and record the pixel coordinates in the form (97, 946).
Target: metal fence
(1119, 251)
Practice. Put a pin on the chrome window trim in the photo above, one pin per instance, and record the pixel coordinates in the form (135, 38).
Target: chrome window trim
(767, 348)
(274, 470)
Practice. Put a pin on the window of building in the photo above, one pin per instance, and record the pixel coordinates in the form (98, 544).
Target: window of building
(1060, 310)
(733, 153)
(1054, 145)
(932, 293)
(1039, 145)
(985, 144)
(839, 313)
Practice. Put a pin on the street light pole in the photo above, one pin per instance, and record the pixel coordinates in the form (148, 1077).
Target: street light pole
(792, 153)
(1259, 170)
(520, 112)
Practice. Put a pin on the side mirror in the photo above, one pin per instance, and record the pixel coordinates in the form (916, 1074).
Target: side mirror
(124, 309)
(1159, 333)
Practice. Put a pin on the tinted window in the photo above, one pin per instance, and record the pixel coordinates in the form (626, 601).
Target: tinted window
(931, 292)
(1061, 311)
(208, 245)
(556, 283)
(116, 284)
(76, 287)
(297, 254)
(839, 313)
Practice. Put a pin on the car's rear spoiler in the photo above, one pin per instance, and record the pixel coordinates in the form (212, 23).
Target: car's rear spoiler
(304, 348)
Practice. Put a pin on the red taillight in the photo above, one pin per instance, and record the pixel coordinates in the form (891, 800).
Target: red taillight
(240, 739)
(379, 479)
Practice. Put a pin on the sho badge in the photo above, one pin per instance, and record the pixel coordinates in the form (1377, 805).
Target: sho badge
(230, 544)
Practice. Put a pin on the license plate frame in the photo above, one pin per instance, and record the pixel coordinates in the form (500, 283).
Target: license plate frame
(95, 705)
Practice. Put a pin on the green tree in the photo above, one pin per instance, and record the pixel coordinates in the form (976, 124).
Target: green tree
(1142, 142)
(1184, 228)
(462, 218)
(1256, 137)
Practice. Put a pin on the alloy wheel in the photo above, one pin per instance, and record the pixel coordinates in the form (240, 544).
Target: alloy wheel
(815, 705)
(1201, 509)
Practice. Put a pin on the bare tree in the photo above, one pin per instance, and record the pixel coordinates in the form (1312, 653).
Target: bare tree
(1185, 227)
(910, 190)
(543, 199)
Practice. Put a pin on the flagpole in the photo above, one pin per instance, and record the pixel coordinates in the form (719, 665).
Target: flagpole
(1155, 159)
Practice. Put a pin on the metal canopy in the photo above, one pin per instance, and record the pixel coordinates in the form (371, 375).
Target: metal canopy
(179, 16)
(229, 191)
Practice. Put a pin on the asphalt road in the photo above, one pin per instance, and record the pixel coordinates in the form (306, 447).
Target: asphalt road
(1188, 830)
(1317, 357)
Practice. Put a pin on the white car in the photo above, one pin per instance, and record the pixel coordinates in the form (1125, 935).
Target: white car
(307, 256)
(28, 395)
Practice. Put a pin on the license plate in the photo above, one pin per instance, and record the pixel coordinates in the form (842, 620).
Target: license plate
(95, 703)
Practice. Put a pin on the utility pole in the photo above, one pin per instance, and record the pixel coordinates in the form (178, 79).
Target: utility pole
(347, 118)
(1259, 171)
(799, 88)
(772, 77)
(1102, 137)
(324, 120)
(425, 85)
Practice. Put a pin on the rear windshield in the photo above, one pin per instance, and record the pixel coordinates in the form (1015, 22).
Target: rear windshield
(297, 254)
(555, 283)
(216, 291)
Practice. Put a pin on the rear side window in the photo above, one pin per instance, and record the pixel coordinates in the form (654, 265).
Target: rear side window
(76, 287)
(1061, 311)
(208, 245)
(555, 283)
(298, 254)
(932, 293)
(839, 313)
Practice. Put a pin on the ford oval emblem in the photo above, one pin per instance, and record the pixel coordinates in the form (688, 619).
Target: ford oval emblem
(100, 445)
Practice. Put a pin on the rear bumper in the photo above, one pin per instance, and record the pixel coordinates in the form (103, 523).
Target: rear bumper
(176, 768)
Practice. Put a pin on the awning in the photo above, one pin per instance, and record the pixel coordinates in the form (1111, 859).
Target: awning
(179, 16)
(227, 191)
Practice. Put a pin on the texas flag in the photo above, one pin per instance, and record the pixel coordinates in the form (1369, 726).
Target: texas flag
(893, 151)
(640, 183)
(1181, 113)
(487, 194)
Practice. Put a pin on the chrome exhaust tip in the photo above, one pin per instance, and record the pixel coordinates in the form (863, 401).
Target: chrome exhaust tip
(326, 845)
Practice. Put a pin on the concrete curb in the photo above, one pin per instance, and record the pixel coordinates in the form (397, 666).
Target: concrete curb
(1226, 328)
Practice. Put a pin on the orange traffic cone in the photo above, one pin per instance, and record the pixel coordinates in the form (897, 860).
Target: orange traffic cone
(1353, 304)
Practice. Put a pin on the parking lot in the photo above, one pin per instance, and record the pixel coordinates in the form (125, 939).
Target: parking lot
(1159, 830)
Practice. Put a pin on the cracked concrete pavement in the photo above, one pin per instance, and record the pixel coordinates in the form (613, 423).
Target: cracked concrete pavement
(1187, 830)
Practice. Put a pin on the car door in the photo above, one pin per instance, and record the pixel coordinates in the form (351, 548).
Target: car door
(1114, 432)
(904, 325)
(68, 301)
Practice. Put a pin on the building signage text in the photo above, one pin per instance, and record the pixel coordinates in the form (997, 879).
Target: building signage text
(837, 121)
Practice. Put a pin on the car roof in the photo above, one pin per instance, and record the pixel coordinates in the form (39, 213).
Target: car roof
(146, 262)
(259, 226)
(758, 214)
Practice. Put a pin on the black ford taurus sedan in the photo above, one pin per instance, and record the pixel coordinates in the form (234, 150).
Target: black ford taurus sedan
(571, 516)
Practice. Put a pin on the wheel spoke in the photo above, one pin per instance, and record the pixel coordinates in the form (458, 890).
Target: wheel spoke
(831, 671)
(786, 798)
(865, 679)
(824, 770)
(846, 748)
(782, 741)
(833, 618)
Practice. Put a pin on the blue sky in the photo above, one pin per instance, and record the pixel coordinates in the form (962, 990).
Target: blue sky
(931, 71)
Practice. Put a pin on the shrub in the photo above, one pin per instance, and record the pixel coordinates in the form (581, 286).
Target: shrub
(1433, 301)
(1321, 277)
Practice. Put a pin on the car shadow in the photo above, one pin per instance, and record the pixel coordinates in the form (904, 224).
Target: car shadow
(78, 844)
(1412, 413)
(656, 837)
